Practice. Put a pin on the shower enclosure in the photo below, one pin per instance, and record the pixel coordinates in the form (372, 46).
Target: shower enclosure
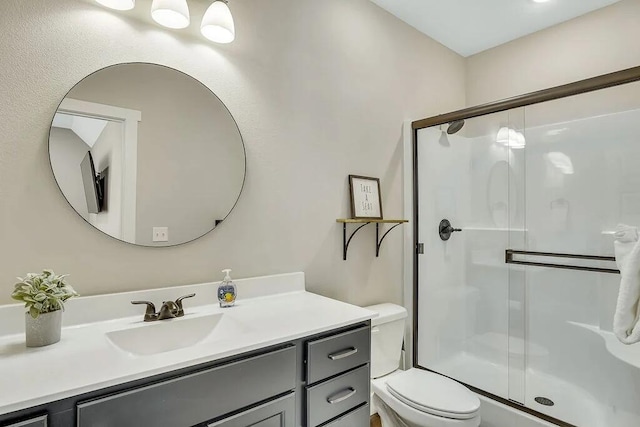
(519, 303)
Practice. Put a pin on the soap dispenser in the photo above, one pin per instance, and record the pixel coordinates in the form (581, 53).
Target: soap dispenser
(227, 290)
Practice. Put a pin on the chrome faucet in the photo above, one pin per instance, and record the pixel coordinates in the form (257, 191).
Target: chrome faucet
(169, 309)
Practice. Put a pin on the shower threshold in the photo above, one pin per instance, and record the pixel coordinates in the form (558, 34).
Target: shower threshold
(572, 404)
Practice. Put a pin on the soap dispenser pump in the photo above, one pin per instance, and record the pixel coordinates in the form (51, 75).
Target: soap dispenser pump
(227, 291)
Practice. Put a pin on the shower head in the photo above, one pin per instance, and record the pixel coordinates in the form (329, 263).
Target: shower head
(455, 126)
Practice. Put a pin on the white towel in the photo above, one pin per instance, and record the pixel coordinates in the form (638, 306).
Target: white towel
(626, 324)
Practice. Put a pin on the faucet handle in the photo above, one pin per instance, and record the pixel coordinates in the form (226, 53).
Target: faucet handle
(150, 315)
(179, 303)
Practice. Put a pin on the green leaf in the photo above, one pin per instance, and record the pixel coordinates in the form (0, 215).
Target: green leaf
(44, 292)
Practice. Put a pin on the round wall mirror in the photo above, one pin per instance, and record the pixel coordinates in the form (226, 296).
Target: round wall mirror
(147, 154)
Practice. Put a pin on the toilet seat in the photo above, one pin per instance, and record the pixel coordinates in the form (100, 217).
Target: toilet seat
(413, 416)
(434, 394)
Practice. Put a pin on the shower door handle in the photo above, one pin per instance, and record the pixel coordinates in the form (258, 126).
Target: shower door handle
(445, 229)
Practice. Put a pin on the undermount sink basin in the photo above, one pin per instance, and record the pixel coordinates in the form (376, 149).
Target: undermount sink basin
(174, 334)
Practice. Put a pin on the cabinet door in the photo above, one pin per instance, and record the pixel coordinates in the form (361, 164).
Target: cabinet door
(34, 422)
(195, 398)
(277, 413)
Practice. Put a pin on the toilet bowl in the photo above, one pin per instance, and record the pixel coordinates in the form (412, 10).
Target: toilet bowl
(415, 397)
(424, 399)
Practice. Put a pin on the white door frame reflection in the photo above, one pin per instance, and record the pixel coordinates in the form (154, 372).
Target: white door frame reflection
(128, 160)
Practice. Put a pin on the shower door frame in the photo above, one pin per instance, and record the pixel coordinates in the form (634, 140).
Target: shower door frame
(593, 84)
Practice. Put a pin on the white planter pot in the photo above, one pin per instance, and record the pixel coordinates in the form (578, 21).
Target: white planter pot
(44, 330)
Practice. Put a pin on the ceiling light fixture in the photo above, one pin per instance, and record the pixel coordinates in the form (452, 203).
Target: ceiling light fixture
(540, 1)
(217, 23)
(118, 4)
(171, 13)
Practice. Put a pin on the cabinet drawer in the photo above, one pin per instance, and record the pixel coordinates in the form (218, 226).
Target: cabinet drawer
(34, 422)
(197, 397)
(277, 413)
(337, 353)
(332, 398)
(356, 418)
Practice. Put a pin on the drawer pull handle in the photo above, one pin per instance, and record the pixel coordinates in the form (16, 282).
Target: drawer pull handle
(342, 396)
(345, 353)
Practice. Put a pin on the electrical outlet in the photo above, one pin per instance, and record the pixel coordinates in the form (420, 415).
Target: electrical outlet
(160, 234)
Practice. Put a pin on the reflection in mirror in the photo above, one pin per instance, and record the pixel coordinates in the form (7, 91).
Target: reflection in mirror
(147, 154)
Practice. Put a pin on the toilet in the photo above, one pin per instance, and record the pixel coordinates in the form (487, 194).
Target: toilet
(415, 398)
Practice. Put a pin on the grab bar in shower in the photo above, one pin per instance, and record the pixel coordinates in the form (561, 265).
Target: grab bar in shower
(509, 259)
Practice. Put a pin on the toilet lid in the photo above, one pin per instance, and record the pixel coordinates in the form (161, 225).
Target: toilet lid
(434, 394)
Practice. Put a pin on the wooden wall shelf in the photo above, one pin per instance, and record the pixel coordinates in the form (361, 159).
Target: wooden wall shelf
(365, 222)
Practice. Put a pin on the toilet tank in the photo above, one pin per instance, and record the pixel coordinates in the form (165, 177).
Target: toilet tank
(387, 334)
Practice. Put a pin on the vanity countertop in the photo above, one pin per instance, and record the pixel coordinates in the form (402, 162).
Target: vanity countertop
(86, 360)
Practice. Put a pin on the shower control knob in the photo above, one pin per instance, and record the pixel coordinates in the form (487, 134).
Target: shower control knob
(445, 229)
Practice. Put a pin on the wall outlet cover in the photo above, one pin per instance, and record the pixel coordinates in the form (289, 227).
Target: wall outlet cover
(160, 234)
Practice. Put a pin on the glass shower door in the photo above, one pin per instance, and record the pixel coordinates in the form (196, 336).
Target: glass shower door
(520, 303)
(471, 304)
(583, 178)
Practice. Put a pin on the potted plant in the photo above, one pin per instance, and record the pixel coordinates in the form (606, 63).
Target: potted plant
(43, 296)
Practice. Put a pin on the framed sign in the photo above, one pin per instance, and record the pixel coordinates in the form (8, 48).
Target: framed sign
(366, 202)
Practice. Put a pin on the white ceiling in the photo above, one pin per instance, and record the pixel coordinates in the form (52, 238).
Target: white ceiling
(471, 26)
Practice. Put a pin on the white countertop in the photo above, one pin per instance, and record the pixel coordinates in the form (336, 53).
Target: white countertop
(86, 360)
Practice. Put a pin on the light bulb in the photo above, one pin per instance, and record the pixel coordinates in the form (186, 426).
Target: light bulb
(217, 23)
(511, 138)
(561, 161)
(118, 4)
(171, 13)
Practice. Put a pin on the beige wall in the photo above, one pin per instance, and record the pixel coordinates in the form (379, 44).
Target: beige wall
(319, 90)
(597, 43)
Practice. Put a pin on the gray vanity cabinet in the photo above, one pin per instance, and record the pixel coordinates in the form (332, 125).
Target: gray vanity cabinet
(277, 413)
(33, 422)
(315, 381)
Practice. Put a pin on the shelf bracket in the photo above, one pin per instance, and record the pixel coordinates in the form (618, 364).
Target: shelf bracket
(345, 242)
(378, 240)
